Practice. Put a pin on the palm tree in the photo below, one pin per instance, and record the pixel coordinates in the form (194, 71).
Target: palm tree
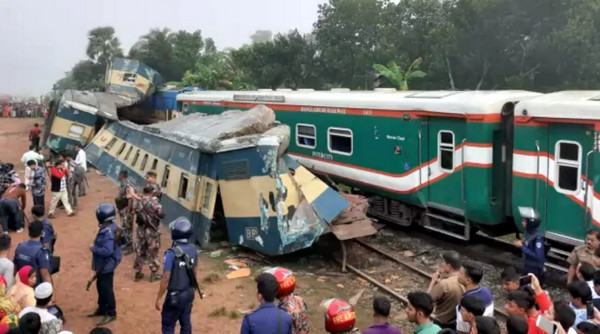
(397, 76)
(103, 45)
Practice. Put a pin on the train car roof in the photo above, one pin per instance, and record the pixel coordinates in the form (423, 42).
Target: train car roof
(95, 103)
(571, 104)
(231, 130)
(456, 102)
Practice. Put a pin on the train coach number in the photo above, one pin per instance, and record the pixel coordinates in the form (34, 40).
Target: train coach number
(251, 233)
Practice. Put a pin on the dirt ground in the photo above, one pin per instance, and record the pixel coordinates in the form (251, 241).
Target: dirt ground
(219, 312)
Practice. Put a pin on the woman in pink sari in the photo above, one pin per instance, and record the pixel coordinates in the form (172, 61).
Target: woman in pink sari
(22, 290)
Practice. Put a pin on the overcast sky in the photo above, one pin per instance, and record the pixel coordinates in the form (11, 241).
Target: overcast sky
(42, 39)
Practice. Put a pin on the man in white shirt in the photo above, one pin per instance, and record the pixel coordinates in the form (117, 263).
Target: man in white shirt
(28, 156)
(31, 155)
(81, 160)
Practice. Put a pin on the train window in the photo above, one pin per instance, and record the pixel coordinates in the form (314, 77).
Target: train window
(121, 149)
(76, 131)
(568, 167)
(154, 164)
(306, 135)
(135, 158)
(446, 151)
(165, 179)
(339, 141)
(183, 186)
(110, 144)
(144, 161)
(129, 78)
(206, 198)
(128, 153)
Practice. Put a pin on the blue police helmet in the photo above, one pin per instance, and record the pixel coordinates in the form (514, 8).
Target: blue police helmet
(105, 212)
(181, 229)
(531, 216)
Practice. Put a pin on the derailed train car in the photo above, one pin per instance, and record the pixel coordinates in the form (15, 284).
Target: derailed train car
(78, 115)
(227, 171)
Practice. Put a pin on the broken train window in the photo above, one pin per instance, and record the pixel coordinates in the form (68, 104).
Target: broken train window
(128, 153)
(306, 135)
(207, 194)
(110, 144)
(183, 186)
(76, 131)
(340, 141)
(129, 78)
(144, 161)
(135, 158)
(165, 179)
(121, 149)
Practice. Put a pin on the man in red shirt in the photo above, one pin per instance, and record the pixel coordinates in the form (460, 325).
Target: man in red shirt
(58, 179)
(34, 136)
(521, 303)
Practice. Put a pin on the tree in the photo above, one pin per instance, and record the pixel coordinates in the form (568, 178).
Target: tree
(261, 36)
(103, 45)
(187, 49)
(348, 34)
(155, 49)
(287, 61)
(399, 77)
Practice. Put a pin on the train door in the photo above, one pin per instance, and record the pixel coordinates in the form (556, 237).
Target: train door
(446, 176)
(569, 145)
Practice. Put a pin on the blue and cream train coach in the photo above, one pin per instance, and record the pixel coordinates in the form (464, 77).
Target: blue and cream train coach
(229, 170)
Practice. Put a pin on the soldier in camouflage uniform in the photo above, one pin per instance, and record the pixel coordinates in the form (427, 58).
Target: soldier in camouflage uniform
(151, 182)
(151, 179)
(126, 208)
(149, 212)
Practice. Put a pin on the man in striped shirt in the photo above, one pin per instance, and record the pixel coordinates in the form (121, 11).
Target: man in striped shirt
(471, 275)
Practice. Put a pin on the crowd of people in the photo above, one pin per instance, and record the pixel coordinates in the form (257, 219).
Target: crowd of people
(454, 302)
(23, 109)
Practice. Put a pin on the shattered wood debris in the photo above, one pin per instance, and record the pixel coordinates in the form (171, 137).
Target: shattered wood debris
(239, 267)
(353, 222)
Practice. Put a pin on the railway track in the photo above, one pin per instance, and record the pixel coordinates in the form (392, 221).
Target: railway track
(498, 313)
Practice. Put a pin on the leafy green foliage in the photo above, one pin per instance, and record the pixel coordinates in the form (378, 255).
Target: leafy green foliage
(536, 45)
(399, 77)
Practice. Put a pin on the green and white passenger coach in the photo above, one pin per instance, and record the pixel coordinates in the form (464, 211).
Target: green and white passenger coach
(451, 161)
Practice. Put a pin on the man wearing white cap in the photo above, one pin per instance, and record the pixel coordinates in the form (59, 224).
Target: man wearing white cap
(43, 299)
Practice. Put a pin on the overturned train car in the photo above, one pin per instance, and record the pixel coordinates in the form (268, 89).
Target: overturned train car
(225, 171)
(78, 115)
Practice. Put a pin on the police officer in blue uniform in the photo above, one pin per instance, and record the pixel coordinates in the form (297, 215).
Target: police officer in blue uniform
(106, 256)
(33, 253)
(176, 280)
(268, 318)
(533, 244)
